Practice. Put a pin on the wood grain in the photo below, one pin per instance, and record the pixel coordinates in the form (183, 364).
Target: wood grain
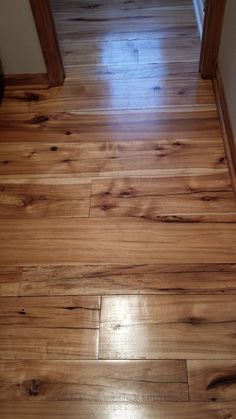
(111, 158)
(152, 309)
(117, 226)
(122, 19)
(226, 126)
(28, 81)
(25, 198)
(118, 71)
(10, 278)
(48, 39)
(124, 94)
(183, 198)
(52, 312)
(46, 343)
(211, 37)
(120, 240)
(104, 381)
(70, 409)
(64, 127)
(104, 279)
(212, 380)
(52, 328)
(128, 52)
(86, 8)
(166, 327)
(88, 5)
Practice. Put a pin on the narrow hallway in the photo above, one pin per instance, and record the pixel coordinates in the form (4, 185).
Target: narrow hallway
(118, 226)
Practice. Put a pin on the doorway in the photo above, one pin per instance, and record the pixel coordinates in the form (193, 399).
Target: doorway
(76, 23)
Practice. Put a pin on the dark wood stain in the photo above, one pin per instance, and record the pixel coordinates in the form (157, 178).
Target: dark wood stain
(222, 381)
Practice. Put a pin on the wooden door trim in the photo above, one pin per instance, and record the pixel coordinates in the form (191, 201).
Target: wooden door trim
(226, 126)
(211, 37)
(48, 38)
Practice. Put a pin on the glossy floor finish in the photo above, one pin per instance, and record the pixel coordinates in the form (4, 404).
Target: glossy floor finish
(117, 227)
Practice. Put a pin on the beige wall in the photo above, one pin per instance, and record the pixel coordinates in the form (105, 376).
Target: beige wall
(20, 50)
(227, 59)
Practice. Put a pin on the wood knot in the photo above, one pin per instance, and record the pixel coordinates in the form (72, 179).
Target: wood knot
(222, 160)
(116, 327)
(33, 387)
(27, 201)
(172, 219)
(67, 161)
(222, 381)
(208, 198)
(106, 207)
(22, 311)
(31, 97)
(193, 320)
(127, 193)
(159, 148)
(177, 144)
(92, 6)
(39, 120)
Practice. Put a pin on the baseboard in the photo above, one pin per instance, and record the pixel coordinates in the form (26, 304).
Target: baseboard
(227, 130)
(26, 80)
(199, 12)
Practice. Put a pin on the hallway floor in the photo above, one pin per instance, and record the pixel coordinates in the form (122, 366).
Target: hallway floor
(117, 226)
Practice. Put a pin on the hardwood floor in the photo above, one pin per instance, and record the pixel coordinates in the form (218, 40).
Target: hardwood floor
(117, 226)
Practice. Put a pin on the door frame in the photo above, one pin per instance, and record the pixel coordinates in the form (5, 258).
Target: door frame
(45, 25)
(211, 37)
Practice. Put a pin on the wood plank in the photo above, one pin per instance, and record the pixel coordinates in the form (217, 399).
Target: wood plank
(183, 198)
(167, 327)
(109, 126)
(122, 20)
(111, 381)
(122, 94)
(119, 240)
(70, 409)
(88, 5)
(10, 277)
(128, 119)
(51, 198)
(49, 328)
(117, 13)
(105, 158)
(51, 312)
(212, 380)
(68, 31)
(47, 343)
(127, 279)
(166, 309)
(141, 71)
(158, 32)
(128, 52)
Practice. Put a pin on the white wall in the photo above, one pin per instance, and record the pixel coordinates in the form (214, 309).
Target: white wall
(227, 60)
(20, 50)
(199, 13)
